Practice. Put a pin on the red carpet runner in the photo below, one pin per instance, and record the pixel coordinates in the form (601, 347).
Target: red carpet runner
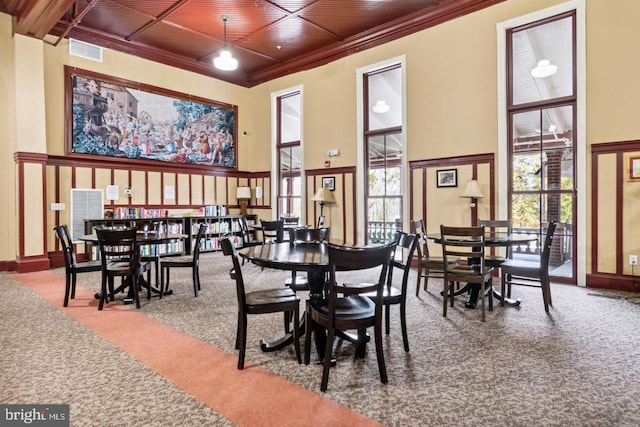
(217, 382)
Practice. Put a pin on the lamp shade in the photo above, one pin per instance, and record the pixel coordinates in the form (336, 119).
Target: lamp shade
(243, 193)
(544, 69)
(472, 190)
(323, 195)
(225, 61)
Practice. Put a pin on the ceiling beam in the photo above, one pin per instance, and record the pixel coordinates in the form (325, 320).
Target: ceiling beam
(37, 17)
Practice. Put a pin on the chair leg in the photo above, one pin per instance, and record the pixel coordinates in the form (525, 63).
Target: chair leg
(546, 293)
(403, 324)
(134, 284)
(387, 327)
(196, 282)
(74, 277)
(419, 276)
(490, 288)
(327, 359)
(198, 275)
(162, 269)
(296, 333)
(242, 338)
(67, 286)
(445, 296)
(382, 367)
(238, 330)
(103, 292)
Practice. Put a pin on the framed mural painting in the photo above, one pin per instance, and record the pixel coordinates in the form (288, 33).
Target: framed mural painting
(112, 117)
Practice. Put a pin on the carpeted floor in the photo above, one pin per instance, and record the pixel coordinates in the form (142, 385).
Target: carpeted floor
(574, 367)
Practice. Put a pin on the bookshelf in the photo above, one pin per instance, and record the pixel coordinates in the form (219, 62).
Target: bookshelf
(218, 226)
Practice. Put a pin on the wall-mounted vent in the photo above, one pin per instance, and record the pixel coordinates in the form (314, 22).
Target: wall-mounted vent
(85, 50)
(85, 204)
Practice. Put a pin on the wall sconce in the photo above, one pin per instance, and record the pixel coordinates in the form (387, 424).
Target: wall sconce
(472, 191)
(243, 194)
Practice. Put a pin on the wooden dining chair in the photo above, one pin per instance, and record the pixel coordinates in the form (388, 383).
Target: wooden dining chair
(272, 231)
(398, 296)
(306, 236)
(71, 266)
(347, 306)
(530, 273)
(467, 243)
(120, 257)
(497, 255)
(259, 302)
(428, 266)
(147, 254)
(184, 261)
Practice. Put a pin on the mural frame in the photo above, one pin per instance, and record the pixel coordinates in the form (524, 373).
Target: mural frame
(121, 120)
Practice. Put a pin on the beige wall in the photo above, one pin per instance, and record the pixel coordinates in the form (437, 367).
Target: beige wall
(451, 99)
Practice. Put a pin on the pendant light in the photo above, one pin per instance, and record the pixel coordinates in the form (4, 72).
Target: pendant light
(225, 61)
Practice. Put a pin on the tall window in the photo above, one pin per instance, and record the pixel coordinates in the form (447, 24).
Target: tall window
(383, 139)
(289, 160)
(541, 107)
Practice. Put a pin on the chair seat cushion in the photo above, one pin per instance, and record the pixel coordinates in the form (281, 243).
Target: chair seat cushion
(89, 266)
(270, 296)
(520, 267)
(494, 260)
(352, 308)
(178, 260)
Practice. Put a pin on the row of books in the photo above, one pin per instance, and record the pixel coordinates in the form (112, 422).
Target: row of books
(213, 210)
(214, 243)
(138, 213)
(217, 227)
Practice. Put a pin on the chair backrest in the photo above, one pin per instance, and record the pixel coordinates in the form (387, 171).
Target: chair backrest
(463, 242)
(62, 231)
(546, 249)
(417, 227)
(202, 230)
(148, 225)
(244, 230)
(407, 243)
(287, 219)
(311, 235)
(498, 226)
(272, 231)
(348, 258)
(236, 272)
(120, 245)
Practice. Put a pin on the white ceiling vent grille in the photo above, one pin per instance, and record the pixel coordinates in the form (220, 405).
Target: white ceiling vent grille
(85, 50)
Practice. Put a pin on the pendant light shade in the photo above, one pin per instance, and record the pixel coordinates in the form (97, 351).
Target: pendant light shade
(225, 61)
(544, 69)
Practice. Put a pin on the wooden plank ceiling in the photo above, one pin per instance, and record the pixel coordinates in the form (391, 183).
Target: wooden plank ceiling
(270, 38)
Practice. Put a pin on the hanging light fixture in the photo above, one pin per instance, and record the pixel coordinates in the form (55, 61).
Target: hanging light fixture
(544, 69)
(225, 61)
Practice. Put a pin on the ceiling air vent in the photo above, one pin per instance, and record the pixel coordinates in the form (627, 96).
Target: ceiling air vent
(85, 50)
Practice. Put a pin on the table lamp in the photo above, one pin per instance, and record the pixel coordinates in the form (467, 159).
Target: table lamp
(243, 194)
(472, 191)
(323, 195)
